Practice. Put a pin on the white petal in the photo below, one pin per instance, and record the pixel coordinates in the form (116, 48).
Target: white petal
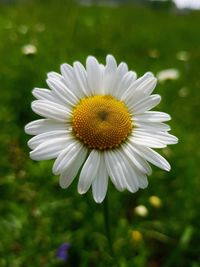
(129, 174)
(100, 184)
(124, 84)
(136, 179)
(143, 182)
(152, 156)
(161, 137)
(58, 78)
(151, 126)
(69, 174)
(146, 83)
(111, 62)
(68, 155)
(115, 170)
(81, 78)
(43, 94)
(67, 72)
(44, 125)
(49, 149)
(144, 78)
(95, 75)
(65, 95)
(152, 116)
(146, 141)
(54, 75)
(51, 110)
(136, 160)
(140, 88)
(41, 138)
(109, 75)
(70, 80)
(145, 104)
(122, 69)
(89, 171)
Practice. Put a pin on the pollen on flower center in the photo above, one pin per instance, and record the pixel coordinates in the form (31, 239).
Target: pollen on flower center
(101, 122)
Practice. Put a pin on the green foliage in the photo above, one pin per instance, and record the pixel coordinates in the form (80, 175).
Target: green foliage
(37, 216)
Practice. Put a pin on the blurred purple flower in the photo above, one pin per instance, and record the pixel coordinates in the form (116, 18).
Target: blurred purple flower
(62, 251)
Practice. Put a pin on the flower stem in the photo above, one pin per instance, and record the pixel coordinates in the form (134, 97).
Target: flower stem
(107, 224)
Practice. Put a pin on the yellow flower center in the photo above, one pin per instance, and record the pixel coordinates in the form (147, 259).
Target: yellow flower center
(101, 122)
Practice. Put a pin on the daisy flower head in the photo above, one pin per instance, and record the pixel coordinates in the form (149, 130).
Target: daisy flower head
(98, 120)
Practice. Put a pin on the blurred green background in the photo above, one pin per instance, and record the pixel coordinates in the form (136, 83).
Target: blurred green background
(37, 216)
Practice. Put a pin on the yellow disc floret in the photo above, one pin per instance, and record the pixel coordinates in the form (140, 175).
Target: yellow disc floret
(101, 122)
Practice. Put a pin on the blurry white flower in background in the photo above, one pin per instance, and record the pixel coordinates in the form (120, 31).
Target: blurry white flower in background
(191, 4)
(168, 74)
(141, 211)
(29, 49)
(183, 56)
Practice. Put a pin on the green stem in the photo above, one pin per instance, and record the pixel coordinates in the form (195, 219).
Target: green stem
(107, 223)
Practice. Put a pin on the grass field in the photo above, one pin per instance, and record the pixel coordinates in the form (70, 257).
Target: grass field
(37, 216)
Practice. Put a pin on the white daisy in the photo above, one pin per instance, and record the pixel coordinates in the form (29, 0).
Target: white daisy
(168, 74)
(29, 49)
(97, 120)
